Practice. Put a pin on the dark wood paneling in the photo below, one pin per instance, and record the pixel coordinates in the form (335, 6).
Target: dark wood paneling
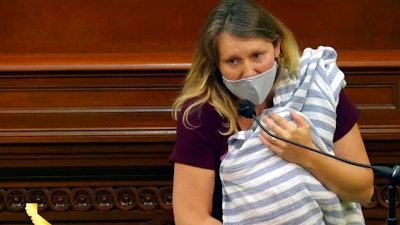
(376, 93)
(87, 26)
(373, 85)
(354, 25)
(72, 124)
(86, 88)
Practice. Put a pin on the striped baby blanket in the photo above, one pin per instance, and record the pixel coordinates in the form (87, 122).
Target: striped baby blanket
(260, 187)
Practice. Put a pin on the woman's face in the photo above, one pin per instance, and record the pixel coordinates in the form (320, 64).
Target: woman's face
(242, 58)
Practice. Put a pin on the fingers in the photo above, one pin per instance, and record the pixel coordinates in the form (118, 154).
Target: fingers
(282, 122)
(268, 139)
(281, 127)
(276, 124)
(273, 140)
(299, 120)
(296, 130)
(279, 124)
(271, 143)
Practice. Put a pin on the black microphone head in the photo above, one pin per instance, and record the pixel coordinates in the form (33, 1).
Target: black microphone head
(246, 109)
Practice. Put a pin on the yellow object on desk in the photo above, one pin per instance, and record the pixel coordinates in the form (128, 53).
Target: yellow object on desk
(32, 211)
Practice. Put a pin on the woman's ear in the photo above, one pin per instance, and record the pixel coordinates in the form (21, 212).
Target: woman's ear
(277, 48)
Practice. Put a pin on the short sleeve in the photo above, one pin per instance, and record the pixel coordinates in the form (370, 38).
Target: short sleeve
(200, 145)
(347, 116)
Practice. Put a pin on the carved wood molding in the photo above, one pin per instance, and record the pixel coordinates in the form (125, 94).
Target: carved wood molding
(369, 58)
(96, 61)
(380, 198)
(123, 198)
(355, 59)
(56, 202)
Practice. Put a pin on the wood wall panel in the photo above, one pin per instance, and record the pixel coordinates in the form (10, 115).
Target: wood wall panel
(75, 134)
(86, 88)
(85, 106)
(375, 91)
(71, 124)
(86, 26)
(346, 25)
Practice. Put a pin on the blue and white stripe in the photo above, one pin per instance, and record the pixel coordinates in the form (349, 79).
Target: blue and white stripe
(260, 187)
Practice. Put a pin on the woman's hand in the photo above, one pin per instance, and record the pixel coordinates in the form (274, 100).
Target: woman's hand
(349, 182)
(299, 132)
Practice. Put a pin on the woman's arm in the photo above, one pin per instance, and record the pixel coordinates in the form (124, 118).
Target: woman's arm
(347, 181)
(192, 195)
(351, 147)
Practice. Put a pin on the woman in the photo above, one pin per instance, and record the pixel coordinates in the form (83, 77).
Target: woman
(238, 41)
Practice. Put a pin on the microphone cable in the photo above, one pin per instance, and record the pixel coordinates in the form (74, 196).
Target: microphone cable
(246, 109)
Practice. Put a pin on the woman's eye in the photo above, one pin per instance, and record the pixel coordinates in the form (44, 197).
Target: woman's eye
(257, 56)
(232, 61)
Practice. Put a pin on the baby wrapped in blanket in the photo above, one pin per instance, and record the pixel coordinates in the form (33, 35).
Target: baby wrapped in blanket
(260, 187)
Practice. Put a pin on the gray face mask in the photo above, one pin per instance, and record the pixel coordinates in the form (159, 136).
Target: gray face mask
(254, 89)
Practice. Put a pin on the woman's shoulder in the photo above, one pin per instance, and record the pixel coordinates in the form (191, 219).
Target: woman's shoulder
(198, 140)
(347, 116)
(206, 106)
(201, 114)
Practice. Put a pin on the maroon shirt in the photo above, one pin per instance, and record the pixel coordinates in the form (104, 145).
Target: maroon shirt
(203, 146)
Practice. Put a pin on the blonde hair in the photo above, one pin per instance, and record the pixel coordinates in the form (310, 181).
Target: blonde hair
(242, 18)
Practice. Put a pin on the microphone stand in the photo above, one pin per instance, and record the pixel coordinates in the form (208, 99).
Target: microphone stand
(394, 179)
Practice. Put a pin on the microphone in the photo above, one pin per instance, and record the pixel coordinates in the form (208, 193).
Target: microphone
(246, 109)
